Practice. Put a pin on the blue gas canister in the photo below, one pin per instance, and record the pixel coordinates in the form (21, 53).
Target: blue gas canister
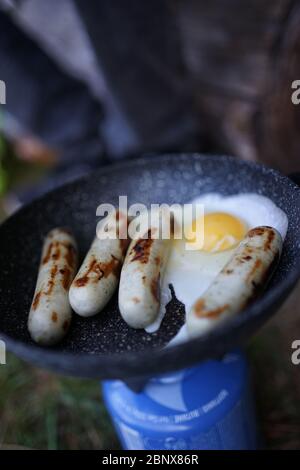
(204, 407)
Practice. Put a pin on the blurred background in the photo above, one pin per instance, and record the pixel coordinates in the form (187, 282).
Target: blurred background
(90, 83)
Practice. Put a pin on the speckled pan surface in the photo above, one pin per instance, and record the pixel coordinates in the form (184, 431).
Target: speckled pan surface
(104, 346)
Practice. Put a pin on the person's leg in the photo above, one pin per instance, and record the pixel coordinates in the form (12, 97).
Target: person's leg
(46, 101)
(137, 45)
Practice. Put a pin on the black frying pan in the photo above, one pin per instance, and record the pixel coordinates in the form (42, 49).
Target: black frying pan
(104, 346)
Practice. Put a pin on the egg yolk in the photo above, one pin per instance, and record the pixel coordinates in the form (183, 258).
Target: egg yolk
(222, 231)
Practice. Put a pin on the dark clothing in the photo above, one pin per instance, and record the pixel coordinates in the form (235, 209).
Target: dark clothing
(137, 46)
(45, 100)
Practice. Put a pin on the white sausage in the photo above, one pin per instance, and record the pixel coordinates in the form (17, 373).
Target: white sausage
(98, 276)
(141, 278)
(50, 313)
(239, 282)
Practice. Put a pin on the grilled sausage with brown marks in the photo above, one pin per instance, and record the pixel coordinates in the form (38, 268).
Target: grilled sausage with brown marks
(98, 276)
(141, 278)
(50, 314)
(239, 282)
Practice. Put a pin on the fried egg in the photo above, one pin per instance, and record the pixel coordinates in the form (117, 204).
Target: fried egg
(224, 223)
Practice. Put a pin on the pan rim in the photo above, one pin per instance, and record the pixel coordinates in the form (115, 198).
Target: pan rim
(28, 351)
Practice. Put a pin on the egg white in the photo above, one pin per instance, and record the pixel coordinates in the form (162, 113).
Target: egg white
(192, 272)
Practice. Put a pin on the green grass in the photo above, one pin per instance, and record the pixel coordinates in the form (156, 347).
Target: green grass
(41, 410)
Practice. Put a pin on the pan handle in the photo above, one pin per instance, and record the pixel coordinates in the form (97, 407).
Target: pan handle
(295, 177)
